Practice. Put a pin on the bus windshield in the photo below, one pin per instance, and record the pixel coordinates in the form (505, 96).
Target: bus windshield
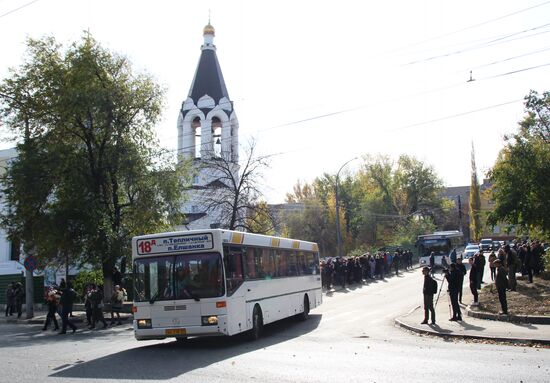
(189, 276)
(438, 246)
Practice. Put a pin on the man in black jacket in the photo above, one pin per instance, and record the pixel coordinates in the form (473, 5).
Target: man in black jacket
(428, 290)
(473, 280)
(461, 273)
(453, 279)
(501, 283)
(67, 299)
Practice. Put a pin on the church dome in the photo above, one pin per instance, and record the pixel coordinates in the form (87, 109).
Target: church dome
(209, 30)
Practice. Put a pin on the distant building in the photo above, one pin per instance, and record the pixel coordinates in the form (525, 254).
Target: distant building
(207, 128)
(278, 211)
(501, 231)
(10, 254)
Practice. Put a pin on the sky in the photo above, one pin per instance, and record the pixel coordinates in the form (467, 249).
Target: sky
(318, 83)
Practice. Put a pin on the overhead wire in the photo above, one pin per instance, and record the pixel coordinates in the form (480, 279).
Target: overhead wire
(18, 8)
(475, 25)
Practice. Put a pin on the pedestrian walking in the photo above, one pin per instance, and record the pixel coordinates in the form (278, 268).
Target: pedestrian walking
(530, 263)
(512, 263)
(428, 290)
(396, 260)
(96, 297)
(66, 301)
(117, 300)
(19, 296)
(501, 284)
(52, 300)
(88, 304)
(10, 299)
(492, 258)
(453, 283)
(473, 281)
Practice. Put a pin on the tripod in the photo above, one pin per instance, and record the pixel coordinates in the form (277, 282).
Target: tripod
(438, 294)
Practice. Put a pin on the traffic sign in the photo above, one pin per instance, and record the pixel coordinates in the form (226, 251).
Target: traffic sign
(30, 263)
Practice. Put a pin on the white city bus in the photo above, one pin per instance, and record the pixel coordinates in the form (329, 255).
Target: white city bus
(220, 282)
(442, 244)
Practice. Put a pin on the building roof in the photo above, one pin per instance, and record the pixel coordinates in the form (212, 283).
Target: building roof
(208, 78)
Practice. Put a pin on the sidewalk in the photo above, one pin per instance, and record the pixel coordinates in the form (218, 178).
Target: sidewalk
(470, 327)
(79, 318)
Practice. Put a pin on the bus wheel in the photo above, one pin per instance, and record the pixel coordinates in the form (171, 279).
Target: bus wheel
(257, 323)
(304, 314)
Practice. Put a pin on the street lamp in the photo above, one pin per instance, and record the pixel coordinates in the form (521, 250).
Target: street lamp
(338, 232)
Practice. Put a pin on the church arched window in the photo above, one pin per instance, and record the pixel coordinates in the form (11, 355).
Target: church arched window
(217, 137)
(196, 128)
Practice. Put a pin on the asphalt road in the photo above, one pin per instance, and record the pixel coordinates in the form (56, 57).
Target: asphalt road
(350, 338)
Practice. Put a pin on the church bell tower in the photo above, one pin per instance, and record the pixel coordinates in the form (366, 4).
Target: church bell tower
(207, 128)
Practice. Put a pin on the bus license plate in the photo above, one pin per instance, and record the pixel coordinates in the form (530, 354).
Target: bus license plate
(175, 331)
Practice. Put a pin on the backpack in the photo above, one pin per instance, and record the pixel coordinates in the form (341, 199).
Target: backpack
(434, 286)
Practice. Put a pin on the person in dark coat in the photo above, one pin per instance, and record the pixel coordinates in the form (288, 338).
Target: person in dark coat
(96, 298)
(10, 299)
(461, 273)
(453, 279)
(396, 260)
(428, 291)
(51, 301)
(66, 301)
(473, 280)
(501, 284)
(19, 295)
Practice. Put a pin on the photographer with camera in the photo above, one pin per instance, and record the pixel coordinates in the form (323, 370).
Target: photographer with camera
(453, 279)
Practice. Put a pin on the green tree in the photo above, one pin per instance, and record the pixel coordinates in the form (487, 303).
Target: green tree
(475, 201)
(521, 174)
(89, 173)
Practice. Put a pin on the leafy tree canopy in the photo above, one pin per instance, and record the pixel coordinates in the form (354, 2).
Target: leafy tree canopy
(521, 174)
(89, 172)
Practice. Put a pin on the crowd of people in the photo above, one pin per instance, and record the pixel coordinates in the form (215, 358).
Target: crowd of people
(504, 265)
(15, 295)
(342, 271)
(60, 300)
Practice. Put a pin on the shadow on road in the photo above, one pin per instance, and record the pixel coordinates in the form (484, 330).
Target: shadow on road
(172, 359)
(468, 326)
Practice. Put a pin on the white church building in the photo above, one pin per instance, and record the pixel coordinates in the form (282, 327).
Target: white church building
(207, 129)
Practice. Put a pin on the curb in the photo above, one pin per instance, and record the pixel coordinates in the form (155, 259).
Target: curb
(418, 330)
(41, 319)
(531, 319)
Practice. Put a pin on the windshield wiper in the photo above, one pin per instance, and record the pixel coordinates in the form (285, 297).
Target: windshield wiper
(154, 297)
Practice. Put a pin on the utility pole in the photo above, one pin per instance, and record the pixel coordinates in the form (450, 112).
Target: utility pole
(459, 214)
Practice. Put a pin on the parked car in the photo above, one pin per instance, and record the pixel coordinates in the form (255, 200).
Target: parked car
(486, 244)
(496, 245)
(469, 252)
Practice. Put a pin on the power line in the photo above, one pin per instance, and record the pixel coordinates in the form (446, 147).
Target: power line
(456, 115)
(497, 41)
(475, 25)
(17, 9)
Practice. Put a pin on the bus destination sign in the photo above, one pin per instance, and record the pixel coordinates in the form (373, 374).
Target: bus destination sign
(174, 244)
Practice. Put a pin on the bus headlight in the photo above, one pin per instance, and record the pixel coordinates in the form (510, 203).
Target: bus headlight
(210, 320)
(144, 323)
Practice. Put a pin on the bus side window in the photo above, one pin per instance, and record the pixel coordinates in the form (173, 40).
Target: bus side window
(292, 264)
(302, 264)
(250, 264)
(233, 268)
(312, 263)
